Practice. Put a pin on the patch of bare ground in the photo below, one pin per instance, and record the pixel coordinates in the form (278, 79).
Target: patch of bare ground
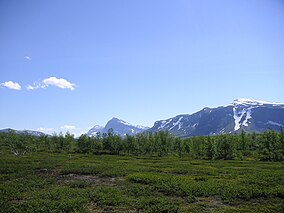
(50, 172)
(93, 179)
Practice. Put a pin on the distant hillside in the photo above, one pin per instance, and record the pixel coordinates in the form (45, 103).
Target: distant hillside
(30, 132)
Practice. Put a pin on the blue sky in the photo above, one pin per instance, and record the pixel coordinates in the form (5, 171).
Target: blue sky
(68, 65)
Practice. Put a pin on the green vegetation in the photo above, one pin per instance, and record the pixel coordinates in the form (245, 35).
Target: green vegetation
(146, 173)
(59, 182)
(268, 146)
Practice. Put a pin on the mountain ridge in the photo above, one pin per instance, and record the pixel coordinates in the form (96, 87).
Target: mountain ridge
(249, 115)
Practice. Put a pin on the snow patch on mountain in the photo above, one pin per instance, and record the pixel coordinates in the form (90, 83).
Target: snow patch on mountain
(165, 122)
(239, 118)
(177, 123)
(248, 116)
(252, 102)
(124, 122)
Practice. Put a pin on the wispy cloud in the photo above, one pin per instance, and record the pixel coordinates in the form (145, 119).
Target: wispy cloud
(68, 127)
(11, 85)
(35, 86)
(30, 87)
(53, 81)
(28, 58)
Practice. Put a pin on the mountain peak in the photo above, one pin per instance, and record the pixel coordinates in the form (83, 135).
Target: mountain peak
(119, 127)
(117, 120)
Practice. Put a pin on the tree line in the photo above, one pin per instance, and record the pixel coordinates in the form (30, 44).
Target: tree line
(267, 146)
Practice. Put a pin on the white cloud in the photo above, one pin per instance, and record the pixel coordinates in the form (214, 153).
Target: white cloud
(78, 134)
(68, 127)
(59, 82)
(28, 58)
(11, 85)
(76, 131)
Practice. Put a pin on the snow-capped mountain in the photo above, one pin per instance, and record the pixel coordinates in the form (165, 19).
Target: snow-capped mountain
(30, 132)
(247, 114)
(119, 127)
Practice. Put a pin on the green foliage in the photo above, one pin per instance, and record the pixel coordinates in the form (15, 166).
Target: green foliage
(60, 182)
(158, 204)
(268, 146)
(19, 144)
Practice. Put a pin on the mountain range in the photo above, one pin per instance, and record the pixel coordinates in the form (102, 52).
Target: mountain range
(242, 114)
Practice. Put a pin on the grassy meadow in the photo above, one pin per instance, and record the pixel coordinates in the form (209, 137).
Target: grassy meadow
(61, 182)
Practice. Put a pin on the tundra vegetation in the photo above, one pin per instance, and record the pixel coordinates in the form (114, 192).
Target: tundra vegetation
(149, 172)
